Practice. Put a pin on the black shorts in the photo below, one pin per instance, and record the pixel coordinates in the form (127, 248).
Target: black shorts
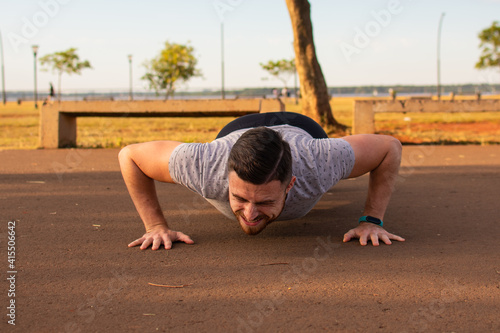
(274, 119)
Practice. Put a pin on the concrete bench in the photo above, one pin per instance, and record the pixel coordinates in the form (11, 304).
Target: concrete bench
(91, 98)
(58, 120)
(364, 110)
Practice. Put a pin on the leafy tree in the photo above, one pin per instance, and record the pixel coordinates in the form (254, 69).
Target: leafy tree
(490, 47)
(175, 63)
(313, 89)
(281, 69)
(64, 62)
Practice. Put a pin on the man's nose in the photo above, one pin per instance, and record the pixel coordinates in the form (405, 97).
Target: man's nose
(251, 212)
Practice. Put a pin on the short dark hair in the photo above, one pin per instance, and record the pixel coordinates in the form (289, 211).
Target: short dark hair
(261, 155)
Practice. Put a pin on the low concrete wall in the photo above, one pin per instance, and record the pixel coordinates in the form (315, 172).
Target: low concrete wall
(175, 107)
(58, 120)
(364, 110)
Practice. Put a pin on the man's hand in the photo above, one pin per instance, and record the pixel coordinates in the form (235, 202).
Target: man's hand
(367, 230)
(161, 235)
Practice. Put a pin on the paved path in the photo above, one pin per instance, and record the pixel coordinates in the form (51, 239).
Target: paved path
(75, 273)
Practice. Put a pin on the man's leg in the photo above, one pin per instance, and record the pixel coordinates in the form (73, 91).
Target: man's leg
(274, 119)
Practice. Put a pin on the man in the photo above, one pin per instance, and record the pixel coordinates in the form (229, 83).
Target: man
(262, 168)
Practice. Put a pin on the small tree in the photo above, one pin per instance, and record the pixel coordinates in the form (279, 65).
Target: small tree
(490, 47)
(281, 69)
(64, 62)
(175, 63)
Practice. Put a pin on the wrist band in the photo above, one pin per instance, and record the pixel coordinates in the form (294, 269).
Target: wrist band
(371, 219)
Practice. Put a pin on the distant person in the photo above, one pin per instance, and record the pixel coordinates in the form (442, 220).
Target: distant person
(393, 94)
(276, 93)
(51, 95)
(262, 168)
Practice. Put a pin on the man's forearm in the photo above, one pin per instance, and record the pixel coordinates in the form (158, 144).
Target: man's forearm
(381, 156)
(382, 181)
(142, 190)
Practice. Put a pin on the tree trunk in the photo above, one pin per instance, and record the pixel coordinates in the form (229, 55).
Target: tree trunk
(169, 91)
(313, 89)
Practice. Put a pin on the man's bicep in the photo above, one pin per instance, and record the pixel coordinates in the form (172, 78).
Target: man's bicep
(369, 151)
(152, 158)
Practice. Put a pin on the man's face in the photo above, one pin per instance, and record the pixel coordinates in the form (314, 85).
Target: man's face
(255, 206)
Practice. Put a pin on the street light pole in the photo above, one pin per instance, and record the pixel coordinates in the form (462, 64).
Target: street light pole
(4, 96)
(222, 57)
(295, 86)
(35, 51)
(439, 57)
(131, 97)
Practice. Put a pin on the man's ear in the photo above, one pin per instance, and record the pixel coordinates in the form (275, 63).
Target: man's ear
(290, 185)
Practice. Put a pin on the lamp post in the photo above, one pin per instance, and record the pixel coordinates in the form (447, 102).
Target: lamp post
(295, 84)
(4, 96)
(35, 51)
(439, 57)
(131, 96)
(222, 58)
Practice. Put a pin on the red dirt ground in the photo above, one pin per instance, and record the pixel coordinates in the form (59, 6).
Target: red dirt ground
(454, 132)
(75, 273)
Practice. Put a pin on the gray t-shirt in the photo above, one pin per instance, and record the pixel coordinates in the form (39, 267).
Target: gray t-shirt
(318, 164)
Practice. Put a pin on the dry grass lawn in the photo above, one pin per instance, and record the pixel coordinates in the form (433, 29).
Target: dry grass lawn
(19, 126)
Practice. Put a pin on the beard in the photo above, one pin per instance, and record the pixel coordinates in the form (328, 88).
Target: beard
(265, 220)
(261, 223)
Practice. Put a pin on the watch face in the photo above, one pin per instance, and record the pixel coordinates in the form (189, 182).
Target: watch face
(373, 220)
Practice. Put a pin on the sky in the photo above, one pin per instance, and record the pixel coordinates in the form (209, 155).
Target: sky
(358, 42)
